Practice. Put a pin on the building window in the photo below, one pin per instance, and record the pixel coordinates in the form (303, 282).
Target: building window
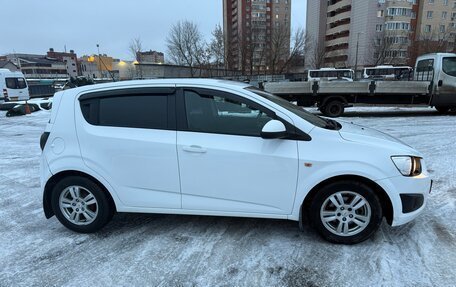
(442, 29)
(431, 1)
(445, 2)
(379, 27)
(427, 28)
(380, 13)
(397, 26)
(429, 14)
(399, 12)
(444, 15)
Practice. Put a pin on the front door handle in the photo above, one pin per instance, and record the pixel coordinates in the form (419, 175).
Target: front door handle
(194, 149)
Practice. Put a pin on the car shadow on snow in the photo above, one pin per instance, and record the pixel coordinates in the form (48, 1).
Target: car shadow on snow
(200, 225)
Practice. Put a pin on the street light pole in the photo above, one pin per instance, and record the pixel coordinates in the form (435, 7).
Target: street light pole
(99, 63)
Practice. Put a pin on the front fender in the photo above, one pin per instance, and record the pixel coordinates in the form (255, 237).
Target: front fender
(310, 177)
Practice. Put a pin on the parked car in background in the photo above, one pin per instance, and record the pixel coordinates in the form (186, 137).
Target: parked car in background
(208, 147)
(13, 86)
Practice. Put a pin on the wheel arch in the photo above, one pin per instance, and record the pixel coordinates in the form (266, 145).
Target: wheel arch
(385, 200)
(47, 194)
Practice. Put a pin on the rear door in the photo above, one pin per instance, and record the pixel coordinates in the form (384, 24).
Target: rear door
(224, 163)
(129, 138)
(16, 88)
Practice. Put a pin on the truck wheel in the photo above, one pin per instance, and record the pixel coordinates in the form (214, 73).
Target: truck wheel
(333, 109)
(442, 109)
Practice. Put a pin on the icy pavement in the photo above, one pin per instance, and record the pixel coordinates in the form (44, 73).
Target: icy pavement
(167, 250)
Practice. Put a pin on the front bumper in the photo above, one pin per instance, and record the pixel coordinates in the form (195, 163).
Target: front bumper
(408, 196)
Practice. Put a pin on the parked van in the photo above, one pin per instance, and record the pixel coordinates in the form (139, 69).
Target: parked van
(13, 86)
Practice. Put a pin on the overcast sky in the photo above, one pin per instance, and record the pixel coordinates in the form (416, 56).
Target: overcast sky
(34, 26)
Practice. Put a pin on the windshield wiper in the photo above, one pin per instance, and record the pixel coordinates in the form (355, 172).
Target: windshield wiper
(332, 124)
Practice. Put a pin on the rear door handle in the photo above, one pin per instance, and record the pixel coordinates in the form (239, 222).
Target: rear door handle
(194, 149)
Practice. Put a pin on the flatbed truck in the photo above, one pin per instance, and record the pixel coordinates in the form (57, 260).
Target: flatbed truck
(433, 84)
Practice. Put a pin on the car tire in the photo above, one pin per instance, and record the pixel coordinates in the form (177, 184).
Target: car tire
(333, 109)
(81, 204)
(346, 212)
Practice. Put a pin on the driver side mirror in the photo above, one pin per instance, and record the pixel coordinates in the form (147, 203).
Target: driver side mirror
(274, 129)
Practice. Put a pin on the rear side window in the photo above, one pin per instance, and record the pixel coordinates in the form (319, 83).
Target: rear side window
(129, 111)
(425, 66)
(15, 83)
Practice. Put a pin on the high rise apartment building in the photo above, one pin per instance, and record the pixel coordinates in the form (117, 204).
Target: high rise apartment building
(349, 33)
(252, 30)
(437, 21)
(342, 32)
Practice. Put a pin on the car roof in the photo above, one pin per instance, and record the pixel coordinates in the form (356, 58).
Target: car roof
(182, 81)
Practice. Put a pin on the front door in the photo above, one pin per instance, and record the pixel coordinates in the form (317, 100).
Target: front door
(225, 165)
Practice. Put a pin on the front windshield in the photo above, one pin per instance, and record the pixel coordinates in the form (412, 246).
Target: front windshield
(300, 112)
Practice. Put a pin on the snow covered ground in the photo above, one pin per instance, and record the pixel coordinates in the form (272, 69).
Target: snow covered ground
(168, 250)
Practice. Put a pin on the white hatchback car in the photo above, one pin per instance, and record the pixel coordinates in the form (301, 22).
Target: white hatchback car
(209, 147)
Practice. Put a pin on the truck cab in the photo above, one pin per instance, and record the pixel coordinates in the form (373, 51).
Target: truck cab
(13, 86)
(440, 70)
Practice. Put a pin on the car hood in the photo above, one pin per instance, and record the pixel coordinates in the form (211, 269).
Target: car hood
(357, 133)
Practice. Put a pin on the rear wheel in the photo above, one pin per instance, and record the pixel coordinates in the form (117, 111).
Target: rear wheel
(346, 212)
(81, 205)
(333, 109)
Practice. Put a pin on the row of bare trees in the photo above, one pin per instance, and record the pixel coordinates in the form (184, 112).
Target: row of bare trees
(187, 46)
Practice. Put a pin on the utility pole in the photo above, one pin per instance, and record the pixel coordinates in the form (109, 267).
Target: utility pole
(357, 50)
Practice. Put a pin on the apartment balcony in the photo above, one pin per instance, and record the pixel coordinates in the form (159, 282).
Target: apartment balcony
(339, 17)
(338, 41)
(336, 53)
(338, 29)
(339, 5)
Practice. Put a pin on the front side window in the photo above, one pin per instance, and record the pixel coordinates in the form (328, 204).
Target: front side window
(449, 66)
(299, 111)
(223, 114)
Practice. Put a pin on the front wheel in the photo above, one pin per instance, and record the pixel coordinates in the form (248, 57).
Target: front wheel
(346, 212)
(81, 205)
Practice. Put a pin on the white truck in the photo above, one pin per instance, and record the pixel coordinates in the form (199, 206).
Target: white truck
(434, 84)
(13, 86)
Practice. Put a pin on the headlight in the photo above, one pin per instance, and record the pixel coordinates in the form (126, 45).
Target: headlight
(407, 165)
